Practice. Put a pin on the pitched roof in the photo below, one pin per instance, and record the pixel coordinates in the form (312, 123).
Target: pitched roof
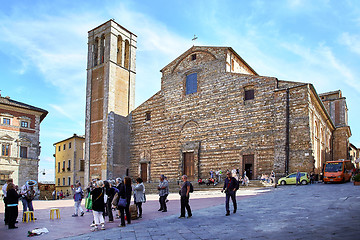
(10, 102)
(197, 48)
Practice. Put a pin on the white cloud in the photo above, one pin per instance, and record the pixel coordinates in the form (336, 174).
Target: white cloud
(351, 41)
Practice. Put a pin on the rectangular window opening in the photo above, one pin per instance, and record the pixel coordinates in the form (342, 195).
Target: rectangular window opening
(23, 152)
(191, 83)
(249, 94)
(6, 121)
(24, 124)
(148, 116)
(193, 57)
(5, 151)
(82, 165)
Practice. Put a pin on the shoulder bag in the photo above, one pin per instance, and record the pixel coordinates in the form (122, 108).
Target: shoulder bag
(88, 202)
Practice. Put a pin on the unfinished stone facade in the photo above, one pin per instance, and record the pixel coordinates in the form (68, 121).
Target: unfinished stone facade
(232, 118)
(213, 112)
(19, 140)
(110, 97)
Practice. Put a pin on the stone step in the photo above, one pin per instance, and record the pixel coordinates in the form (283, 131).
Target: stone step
(151, 188)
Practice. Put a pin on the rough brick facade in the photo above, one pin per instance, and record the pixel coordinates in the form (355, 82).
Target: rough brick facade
(213, 112)
(284, 128)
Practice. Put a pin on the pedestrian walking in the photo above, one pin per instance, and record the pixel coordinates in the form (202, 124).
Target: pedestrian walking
(231, 185)
(78, 196)
(163, 193)
(98, 206)
(139, 195)
(272, 177)
(12, 204)
(119, 182)
(219, 175)
(125, 193)
(298, 176)
(6, 215)
(54, 194)
(312, 178)
(110, 193)
(184, 197)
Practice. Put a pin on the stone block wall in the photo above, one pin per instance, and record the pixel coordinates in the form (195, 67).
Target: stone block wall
(220, 127)
(218, 120)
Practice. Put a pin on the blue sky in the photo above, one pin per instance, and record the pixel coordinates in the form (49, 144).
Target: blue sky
(43, 49)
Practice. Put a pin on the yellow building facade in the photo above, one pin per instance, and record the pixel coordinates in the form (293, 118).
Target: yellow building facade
(69, 163)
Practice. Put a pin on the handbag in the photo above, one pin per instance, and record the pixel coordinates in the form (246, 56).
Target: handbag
(122, 202)
(144, 201)
(88, 202)
(115, 199)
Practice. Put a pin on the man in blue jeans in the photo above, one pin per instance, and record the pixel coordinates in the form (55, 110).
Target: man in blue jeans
(230, 187)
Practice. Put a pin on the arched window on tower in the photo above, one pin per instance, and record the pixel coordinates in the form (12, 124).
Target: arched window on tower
(102, 49)
(127, 54)
(95, 52)
(119, 50)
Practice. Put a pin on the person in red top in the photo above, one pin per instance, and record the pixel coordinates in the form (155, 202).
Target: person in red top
(230, 187)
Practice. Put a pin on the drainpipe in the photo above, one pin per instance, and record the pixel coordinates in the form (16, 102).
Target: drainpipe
(287, 126)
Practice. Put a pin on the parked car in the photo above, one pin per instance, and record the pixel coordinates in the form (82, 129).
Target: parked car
(291, 179)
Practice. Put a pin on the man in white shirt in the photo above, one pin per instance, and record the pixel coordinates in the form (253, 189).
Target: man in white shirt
(27, 193)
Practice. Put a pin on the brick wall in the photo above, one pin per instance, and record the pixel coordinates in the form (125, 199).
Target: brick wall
(216, 124)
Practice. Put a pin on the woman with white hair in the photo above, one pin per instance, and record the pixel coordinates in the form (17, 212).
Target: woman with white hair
(98, 205)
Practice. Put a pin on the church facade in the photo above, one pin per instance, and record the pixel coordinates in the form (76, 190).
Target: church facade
(214, 111)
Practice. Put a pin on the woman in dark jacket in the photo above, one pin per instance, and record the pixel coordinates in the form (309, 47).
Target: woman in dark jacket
(98, 205)
(110, 192)
(125, 191)
(12, 204)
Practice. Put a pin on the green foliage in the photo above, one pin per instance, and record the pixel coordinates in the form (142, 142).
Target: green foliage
(356, 178)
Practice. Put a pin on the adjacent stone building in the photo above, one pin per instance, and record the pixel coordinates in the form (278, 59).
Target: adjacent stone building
(213, 112)
(69, 163)
(19, 140)
(354, 155)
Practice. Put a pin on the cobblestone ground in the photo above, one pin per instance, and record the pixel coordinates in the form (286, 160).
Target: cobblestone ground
(319, 211)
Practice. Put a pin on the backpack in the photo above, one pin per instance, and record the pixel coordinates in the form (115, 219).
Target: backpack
(191, 188)
(82, 194)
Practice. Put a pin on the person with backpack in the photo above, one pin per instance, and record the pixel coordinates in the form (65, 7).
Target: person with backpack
(185, 190)
(230, 187)
(78, 196)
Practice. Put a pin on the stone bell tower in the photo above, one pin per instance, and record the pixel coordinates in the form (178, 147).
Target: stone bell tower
(110, 97)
